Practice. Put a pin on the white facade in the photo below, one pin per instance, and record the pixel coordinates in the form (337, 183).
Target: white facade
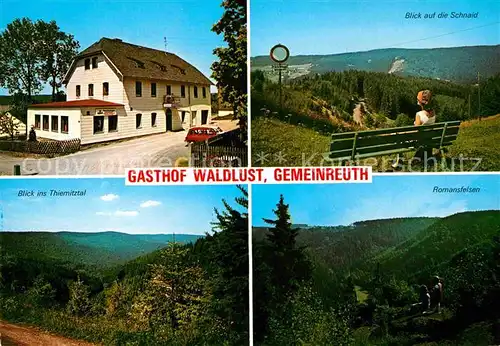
(104, 73)
(61, 124)
(142, 113)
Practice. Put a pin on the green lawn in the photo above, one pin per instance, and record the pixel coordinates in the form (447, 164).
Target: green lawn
(275, 143)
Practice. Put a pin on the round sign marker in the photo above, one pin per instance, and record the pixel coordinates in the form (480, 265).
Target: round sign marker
(280, 53)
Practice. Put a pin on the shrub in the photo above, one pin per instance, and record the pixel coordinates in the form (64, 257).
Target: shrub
(403, 120)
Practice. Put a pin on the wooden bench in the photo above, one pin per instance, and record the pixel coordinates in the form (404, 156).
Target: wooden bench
(351, 146)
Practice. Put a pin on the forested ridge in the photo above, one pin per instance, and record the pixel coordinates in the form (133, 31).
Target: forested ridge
(356, 284)
(100, 249)
(194, 293)
(296, 132)
(329, 102)
(457, 64)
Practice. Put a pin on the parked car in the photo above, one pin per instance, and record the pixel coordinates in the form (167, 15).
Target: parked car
(202, 133)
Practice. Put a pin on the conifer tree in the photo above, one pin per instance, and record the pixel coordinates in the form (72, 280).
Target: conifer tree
(229, 260)
(289, 265)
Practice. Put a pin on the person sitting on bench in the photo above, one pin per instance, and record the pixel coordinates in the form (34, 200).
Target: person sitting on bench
(426, 115)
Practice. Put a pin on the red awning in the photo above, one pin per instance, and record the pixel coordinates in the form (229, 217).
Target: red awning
(77, 104)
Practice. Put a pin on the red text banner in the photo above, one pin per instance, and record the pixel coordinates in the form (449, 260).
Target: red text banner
(251, 175)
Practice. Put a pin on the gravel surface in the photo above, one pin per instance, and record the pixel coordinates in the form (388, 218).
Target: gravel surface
(11, 334)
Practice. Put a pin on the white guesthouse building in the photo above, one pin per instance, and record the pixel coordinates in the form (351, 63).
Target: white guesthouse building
(117, 90)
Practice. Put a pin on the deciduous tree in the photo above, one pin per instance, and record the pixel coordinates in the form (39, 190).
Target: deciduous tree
(20, 58)
(9, 125)
(230, 71)
(57, 52)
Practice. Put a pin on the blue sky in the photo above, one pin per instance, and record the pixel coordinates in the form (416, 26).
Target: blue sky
(186, 24)
(109, 205)
(339, 26)
(387, 197)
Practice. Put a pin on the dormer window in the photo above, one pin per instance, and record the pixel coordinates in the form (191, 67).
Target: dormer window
(159, 66)
(138, 63)
(180, 69)
(87, 64)
(94, 62)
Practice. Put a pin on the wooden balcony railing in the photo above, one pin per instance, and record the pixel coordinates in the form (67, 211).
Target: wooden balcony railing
(171, 101)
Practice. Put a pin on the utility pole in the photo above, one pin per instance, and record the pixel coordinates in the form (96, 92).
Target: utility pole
(469, 107)
(281, 89)
(479, 95)
(165, 43)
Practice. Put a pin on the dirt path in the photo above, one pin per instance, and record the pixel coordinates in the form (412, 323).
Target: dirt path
(14, 335)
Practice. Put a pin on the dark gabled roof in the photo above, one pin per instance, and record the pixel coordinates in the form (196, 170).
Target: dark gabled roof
(77, 104)
(142, 62)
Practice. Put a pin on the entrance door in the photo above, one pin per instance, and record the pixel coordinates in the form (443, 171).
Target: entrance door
(204, 117)
(169, 119)
(193, 118)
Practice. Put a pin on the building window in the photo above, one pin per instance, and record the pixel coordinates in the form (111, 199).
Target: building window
(204, 91)
(55, 123)
(37, 121)
(153, 89)
(113, 123)
(138, 89)
(78, 91)
(94, 62)
(87, 64)
(183, 91)
(138, 121)
(195, 92)
(64, 124)
(169, 90)
(45, 122)
(183, 115)
(153, 119)
(91, 89)
(98, 124)
(105, 89)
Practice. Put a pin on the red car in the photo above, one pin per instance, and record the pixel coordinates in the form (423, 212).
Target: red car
(202, 133)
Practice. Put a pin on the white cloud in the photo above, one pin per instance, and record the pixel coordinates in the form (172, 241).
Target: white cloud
(109, 197)
(148, 204)
(118, 213)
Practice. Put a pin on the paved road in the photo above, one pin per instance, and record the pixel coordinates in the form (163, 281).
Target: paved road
(14, 335)
(160, 150)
